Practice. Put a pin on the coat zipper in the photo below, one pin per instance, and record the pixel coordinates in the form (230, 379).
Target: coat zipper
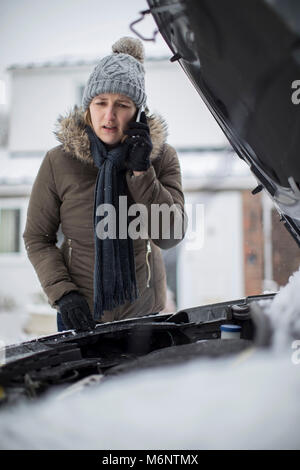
(70, 250)
(147, 262)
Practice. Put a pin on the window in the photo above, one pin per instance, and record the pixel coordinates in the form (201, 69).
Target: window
(9, 230)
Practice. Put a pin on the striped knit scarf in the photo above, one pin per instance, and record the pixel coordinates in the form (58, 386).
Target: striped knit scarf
(114, 272)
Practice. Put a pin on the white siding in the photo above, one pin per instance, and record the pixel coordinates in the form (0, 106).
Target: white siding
(214, 271)
(171, 94)
(39, 95)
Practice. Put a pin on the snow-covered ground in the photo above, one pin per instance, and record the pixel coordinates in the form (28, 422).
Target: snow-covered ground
(249, 401)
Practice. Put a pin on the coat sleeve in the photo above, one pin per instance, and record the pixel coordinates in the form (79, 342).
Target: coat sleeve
(161, 192)
(43, 219)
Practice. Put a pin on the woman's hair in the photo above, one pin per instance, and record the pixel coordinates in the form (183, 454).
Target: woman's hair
(87, 118)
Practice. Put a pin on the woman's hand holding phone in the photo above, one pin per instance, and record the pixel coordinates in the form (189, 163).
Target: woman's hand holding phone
(139, 144)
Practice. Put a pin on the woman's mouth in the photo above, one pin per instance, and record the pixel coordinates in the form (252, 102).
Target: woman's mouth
(110, 129)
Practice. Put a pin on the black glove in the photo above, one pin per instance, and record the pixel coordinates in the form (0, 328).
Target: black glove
(139, 144)
(75, 311)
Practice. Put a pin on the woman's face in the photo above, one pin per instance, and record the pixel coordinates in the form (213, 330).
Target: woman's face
(110, 115)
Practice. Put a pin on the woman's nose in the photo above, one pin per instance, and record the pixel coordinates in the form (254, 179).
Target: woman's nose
(110, 113)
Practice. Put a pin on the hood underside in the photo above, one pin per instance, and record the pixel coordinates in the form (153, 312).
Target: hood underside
(244, 60)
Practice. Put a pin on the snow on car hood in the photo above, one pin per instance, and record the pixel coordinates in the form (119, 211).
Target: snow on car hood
(249, 402)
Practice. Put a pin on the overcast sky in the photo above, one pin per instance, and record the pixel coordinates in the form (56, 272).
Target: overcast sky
(33, 30)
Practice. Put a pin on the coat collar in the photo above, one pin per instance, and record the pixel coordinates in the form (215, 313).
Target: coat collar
(74, 139)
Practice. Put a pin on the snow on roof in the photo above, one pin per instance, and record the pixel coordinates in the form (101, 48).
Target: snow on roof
(211, 169)
(194, 165)
(69, 61)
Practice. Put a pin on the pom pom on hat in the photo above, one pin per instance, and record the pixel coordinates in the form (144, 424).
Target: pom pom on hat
(130, 46)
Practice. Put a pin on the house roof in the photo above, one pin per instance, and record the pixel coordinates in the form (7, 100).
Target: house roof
(206, 170)
(69, 61)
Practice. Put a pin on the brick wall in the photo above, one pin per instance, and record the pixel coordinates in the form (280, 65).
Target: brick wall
(285, 252)
(253, 245)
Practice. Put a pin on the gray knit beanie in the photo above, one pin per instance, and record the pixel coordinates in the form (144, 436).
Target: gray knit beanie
(121, 72)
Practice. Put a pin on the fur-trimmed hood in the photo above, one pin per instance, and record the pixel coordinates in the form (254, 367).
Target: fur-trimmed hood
(72, 135)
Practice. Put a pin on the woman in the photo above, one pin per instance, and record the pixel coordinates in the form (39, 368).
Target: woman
(106, 157)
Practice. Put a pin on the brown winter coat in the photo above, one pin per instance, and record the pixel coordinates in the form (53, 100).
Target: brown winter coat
(63, 192)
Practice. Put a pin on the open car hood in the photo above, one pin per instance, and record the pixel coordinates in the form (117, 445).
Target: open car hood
(243, 57)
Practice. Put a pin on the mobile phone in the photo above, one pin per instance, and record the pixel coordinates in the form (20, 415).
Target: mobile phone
(141, 109)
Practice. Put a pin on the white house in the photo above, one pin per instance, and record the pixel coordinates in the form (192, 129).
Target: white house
(212, 177)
